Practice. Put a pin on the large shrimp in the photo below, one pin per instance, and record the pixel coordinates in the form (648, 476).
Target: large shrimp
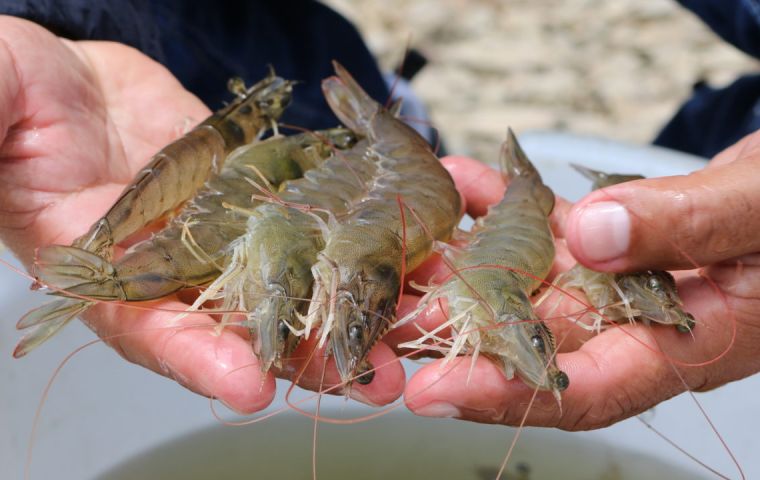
(649, 296)
(510, 252)
(191, 250)
(270, 273)
(358, 275)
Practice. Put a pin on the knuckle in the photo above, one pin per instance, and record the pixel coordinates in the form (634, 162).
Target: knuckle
(710, 222)
(689, 222)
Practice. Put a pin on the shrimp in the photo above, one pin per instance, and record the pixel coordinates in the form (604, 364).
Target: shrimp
(270, 274)
(190, 251)
(358, 275)
(175, 173)
(510, 252)
(649, 296)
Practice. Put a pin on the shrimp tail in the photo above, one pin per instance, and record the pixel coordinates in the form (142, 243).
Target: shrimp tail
(78, 272)
(47, 320)
(513, 160)
(594, 175)
(351, 104)
(514, 163)
(601, 179)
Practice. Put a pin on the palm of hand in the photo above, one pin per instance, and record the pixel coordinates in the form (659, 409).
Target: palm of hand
(82, 119)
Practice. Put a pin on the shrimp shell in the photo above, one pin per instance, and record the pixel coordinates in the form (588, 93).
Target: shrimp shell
(511, 251)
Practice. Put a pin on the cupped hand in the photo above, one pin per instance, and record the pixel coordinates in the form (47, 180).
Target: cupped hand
(705, 222)
(77, 121)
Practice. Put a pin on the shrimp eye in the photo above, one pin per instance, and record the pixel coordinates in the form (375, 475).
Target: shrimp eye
(365, 376)
(354, 334)
(561, 381)
(689, 326)
(654, 284)
(282, 330)
(538, 343)
(385, 273)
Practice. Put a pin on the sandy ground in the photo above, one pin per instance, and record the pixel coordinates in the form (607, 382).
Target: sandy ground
(617, 68)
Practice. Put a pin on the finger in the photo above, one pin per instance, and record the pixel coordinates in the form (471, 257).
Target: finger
(428, 320)
(479, 184)
(187, 350)
(617, 374)
(483, 186)
(669, 223)
(309, 370)
(432, 271)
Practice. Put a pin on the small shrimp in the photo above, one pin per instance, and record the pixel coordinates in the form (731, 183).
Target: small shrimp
(175, 173)
(649, 296)
(358, 275)
(190, 251)
(510, 252)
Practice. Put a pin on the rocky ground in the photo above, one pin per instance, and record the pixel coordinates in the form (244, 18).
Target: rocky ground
(617, 68)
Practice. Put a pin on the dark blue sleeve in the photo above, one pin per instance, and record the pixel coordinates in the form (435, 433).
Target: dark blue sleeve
(714, 118)
(124, 21)
(736, 21)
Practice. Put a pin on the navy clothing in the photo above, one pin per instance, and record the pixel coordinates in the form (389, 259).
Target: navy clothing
(713, 119)
(206, 42)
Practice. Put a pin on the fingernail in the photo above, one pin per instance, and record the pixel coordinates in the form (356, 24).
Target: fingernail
(439, 410)
(605, 230)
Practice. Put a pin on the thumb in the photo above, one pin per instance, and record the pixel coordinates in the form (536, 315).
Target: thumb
(672, 222)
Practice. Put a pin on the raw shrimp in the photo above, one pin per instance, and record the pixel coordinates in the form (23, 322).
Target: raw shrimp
(190, 251)
(181, 168)
(358, 275)
(270, 273)
(510, 252)
(649, 296)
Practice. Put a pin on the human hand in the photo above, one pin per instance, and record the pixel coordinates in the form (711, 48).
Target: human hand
(623, 371)
(78, 120)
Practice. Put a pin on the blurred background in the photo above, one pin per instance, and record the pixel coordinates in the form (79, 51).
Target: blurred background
(618, 69)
